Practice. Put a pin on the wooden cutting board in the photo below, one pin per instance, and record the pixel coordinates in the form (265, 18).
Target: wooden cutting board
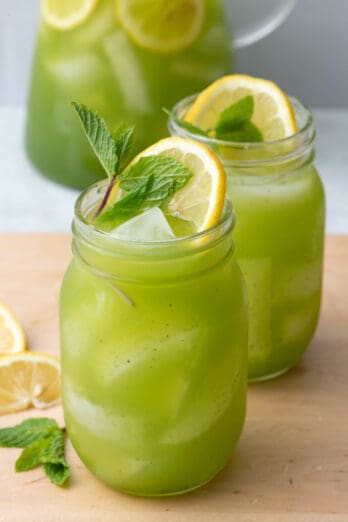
(291, 464)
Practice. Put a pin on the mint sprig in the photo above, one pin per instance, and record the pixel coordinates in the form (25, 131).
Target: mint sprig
(44, 444)
(113, 151)
(150, 182)
(99, 137)
(234, 123)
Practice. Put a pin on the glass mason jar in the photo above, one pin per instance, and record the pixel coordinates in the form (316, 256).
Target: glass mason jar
(280, 209)
(154, 355)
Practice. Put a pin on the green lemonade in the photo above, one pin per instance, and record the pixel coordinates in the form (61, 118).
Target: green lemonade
(99, 64)
(154, 355)
(280, 211)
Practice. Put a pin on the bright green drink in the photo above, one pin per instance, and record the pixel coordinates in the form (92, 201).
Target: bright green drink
(154, 355)
(99, 63)
(280, 208)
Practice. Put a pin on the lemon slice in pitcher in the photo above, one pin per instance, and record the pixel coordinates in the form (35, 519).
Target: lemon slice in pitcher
(273, 113)
(161, 26)
(67, 14)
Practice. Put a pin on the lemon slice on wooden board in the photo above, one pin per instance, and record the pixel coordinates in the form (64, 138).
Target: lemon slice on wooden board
(161, 26)
(273, 113)
(12, 337)
(65, 15)
(28, 379)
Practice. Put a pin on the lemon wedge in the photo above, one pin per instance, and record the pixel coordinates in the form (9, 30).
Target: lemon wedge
(12, 338)
(28, 379)
(65, 15)
(161, 26)
(273, 113)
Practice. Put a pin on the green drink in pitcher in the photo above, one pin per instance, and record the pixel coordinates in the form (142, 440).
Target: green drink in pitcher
(153, 316)
(266, 144)
(127, 59)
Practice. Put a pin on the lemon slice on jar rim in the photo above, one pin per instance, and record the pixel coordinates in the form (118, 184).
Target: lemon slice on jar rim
(202, 200)
(273, 113)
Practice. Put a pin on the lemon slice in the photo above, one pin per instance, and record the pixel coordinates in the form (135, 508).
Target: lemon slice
(67, 14)
(273, 113)
(202, 200)
(12, 338)
(28, 379)
(161, 26)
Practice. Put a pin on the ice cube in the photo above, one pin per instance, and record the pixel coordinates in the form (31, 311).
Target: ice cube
(257, 274)
(127, 71)
(151, 225)
(98, 26)
(100, 421)
(77, 71)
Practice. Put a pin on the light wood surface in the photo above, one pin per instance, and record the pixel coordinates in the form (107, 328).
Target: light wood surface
(291, 464)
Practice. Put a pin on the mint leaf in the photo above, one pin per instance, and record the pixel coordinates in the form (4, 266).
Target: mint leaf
(164, 167)
(57, 473)
(27, 432)
(125, 208)
(99, 137)
(44, 444)
(150, 182)
(186, 124)
(234, 123)
(235, 115)
(246, 132)
(31, 456)
(124, 141)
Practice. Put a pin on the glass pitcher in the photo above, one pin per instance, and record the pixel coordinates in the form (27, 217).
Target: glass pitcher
(127, 59)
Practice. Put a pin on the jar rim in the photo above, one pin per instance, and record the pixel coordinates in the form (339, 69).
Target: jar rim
(273, 150)
(87, 232)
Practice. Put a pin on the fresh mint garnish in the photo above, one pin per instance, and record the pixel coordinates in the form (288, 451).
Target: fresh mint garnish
(43, 442)
(234, 123)
(113, 151)
(247, 132)
(150, 182)
(99, 137)
(236, 114)
(186, 125)
(124, 141)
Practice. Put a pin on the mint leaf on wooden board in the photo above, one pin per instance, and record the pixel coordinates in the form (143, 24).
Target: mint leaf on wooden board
(26, 432)
(186, 124)
(44, 444)
(57, 473)
(99, 137)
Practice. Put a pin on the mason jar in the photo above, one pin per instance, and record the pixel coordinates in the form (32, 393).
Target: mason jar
(154, 354)
(280, 212)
